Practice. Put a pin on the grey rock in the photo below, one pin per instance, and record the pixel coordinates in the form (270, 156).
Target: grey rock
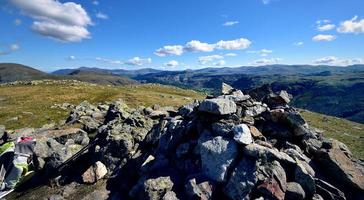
(218, 106)
(226, 89)
(337, 164)
(255, 110)
(221, 128)
(242, 134)
(217, 155)
(259, 151)
(242, 180)
(187, 110)
(199, 189)
(328, 191)
(294, 191)
(303, 177)
(182, 149)
(2, 129)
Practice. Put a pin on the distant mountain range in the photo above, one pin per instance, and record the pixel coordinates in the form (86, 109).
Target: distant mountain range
(331, 90)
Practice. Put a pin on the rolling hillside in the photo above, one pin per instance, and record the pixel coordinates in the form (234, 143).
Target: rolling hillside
(10, 72)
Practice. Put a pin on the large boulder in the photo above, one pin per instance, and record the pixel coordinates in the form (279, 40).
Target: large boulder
(259, 151)
(217, 155)
(226, 89)
(339, 166)
(218, 106)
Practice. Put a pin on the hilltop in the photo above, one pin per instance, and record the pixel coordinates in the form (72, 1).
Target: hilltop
(10, 72)
(229, 146)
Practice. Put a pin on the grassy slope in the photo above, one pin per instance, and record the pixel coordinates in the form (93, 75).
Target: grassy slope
(348, 132)
(32, 104)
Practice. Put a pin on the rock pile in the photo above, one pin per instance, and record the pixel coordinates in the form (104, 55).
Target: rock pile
(233, 146)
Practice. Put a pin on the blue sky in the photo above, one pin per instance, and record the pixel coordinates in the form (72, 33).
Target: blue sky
(180, 34)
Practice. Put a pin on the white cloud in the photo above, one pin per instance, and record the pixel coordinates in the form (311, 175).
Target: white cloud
(322, 37)
(219, 63)
(197, 46)
(172, 63)
(65, 22)
(325, 27)
(169, 50)
(230, 23)
(61, 32)
(262, 52)
(298, 43)
(137, 61)
(101, 15)
(203, 60)
(353, 25)
(109, 61)
(241, 43)
(332, 60)
(72, 58)
(267, 61)
(326, 60)
(231, 54)
(17, 22)
(95, 2)
(9, 49)
(323, 21)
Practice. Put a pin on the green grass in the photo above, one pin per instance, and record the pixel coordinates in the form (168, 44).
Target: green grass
(32, 104)
(348, 132)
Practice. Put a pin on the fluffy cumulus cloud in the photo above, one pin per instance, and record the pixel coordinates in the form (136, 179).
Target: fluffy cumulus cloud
(230, 23)
(267, 61)
(172, 63)
(203, 60)
(137, 61)
(101, 15)
(238, 44)
(231, 54)
(8, 49)
(168, 50)
(332, 60)
(66, 22)
(321, 37)
(198, 46)
(354, 25)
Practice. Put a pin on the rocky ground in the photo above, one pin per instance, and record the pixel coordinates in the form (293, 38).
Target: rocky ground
(232, 146)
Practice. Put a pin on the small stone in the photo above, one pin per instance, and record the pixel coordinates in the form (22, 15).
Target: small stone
(94, 173)
(242, 134)
(255, 132)
(199, 190)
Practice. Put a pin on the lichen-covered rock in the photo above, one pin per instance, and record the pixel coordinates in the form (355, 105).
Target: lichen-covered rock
(152, 188)
(196, 189)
